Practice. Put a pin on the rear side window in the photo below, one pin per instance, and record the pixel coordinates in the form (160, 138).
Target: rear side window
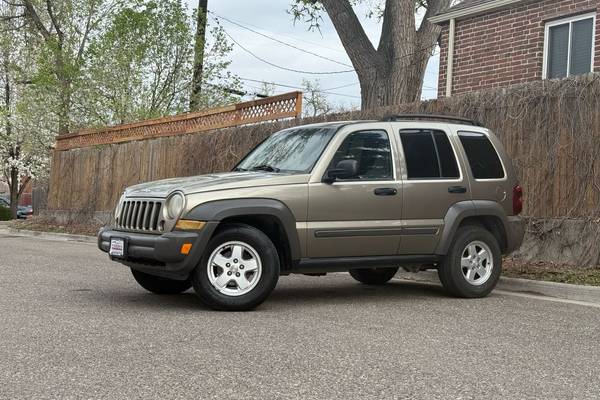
(428, 154)
(483, 158)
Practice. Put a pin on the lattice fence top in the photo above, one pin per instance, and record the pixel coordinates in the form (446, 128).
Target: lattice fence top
(272, 108)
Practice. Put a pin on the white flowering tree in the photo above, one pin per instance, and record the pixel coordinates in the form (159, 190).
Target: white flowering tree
(25, 128)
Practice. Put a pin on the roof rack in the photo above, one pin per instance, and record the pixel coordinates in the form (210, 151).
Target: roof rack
(409, 117)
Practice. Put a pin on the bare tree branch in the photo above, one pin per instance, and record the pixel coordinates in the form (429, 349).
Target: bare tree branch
(33, 15)
(55, 23)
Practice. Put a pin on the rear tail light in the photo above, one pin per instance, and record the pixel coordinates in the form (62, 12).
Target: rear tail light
(517, 200)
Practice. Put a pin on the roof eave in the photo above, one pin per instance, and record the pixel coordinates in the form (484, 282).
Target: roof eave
(472, 11)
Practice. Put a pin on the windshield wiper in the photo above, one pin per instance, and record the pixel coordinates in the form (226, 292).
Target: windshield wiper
(239, 169)
(265, 167)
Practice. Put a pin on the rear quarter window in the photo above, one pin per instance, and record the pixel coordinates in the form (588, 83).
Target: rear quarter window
(483, 158)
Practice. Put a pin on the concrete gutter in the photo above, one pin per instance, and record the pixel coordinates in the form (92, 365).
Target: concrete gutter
(588, 294)
(62, 237)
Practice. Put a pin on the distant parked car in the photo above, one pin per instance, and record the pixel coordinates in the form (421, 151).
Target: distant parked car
(23, 212)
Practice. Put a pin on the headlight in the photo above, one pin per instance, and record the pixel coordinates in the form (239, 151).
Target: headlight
(175, 204)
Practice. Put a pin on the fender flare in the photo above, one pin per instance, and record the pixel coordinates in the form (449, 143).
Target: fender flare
(464, 209)
(219, 210)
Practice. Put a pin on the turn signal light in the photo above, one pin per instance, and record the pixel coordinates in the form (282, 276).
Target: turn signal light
(188, 225)
(186, 248)
(517, 200)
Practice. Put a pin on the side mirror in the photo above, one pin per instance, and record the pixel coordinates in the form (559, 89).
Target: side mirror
(345, 169)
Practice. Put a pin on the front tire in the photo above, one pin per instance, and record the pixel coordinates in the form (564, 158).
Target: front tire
(159, 285)
(473, 265)
(373, 276)
(238, 270)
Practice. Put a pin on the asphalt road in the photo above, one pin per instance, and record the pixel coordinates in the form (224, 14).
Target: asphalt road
(75, 325)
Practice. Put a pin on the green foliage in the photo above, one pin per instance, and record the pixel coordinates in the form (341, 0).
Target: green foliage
(113, 61)
(141, 66)
(311, 11)
(4, 214)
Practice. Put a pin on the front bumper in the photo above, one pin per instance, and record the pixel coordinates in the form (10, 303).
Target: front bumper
(515, 233)
(160, 255)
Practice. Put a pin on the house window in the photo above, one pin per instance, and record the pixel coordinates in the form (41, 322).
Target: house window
(569, 45)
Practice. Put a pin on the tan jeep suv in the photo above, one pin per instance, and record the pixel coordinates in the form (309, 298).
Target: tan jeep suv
(413, 191)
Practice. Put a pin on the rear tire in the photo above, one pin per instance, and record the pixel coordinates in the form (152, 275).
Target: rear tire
(159, 285)
(238, 270)
(373, 276)
(473, 265)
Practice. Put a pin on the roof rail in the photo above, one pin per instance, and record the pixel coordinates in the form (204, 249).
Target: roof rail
(409, 117)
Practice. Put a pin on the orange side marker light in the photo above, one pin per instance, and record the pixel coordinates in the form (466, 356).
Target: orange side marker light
(186, 248)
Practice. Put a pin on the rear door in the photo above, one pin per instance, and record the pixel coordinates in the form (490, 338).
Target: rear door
(433, 181)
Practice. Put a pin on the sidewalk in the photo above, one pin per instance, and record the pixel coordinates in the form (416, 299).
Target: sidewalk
(589, 294)
(5, 229)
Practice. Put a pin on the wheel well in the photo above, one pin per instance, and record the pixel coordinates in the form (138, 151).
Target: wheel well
(492, 224)
(270, 226)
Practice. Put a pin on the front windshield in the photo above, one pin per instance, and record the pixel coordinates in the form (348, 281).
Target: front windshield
(294, 151)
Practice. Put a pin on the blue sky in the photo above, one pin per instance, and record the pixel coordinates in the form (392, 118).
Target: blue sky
(270, 18)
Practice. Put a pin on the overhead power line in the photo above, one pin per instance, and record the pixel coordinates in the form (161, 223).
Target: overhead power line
(326, 91)
(281, 41)
(298, 71)
(295, 38)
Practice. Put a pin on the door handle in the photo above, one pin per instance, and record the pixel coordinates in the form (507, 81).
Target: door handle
(385, 192)
(457, 189)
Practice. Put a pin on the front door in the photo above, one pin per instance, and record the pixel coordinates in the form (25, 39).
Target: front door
(359, 216)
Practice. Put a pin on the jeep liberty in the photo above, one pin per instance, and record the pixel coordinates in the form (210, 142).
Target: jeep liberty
(413, 191)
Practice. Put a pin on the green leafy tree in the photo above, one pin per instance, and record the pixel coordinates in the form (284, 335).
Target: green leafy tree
(141, 66)
(391, 73)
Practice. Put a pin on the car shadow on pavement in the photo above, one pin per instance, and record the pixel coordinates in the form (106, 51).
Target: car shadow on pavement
(286, 295)
(298, 296)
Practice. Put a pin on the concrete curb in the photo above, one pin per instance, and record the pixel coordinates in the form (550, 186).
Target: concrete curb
(63, 237)
(589, 294)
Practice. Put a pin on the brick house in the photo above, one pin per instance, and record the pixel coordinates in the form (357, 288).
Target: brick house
(494, 43)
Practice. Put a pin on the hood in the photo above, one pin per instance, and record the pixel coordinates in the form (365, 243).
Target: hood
(206, 183)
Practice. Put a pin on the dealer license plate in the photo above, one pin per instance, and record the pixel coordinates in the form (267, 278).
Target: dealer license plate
(117, 248)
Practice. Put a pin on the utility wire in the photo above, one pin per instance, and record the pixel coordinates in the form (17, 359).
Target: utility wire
(326, 91)
(291, 37)
(281, 67)
(281, 41)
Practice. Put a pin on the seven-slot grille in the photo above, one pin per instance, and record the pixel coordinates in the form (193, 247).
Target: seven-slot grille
(140, 215)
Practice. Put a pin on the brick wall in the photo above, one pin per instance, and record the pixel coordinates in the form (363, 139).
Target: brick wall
(506, 47)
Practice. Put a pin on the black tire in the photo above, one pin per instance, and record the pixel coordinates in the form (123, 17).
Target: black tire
(269, 260)
(158, 285)
(373, 276)
(451, 272)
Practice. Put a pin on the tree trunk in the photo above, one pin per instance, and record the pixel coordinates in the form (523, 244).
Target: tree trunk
(199, 55)
(393, 73)
(14, 192)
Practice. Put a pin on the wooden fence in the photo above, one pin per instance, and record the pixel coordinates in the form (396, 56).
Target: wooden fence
(268, 109)
(551, 130)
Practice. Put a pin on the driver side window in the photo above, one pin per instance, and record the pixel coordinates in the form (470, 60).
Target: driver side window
(372, 151)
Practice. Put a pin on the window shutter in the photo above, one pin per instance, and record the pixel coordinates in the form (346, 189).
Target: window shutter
(581, 47)
(558, 51)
